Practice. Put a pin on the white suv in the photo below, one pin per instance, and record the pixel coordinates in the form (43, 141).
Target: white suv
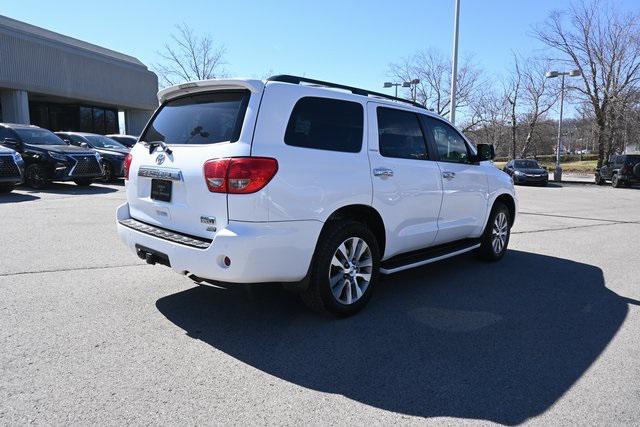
(316, 185)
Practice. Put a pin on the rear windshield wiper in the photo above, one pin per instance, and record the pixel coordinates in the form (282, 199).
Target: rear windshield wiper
(154, 144)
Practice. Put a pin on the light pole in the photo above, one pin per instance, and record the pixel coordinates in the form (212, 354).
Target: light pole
(557, 175)
(454, 60)
(389, 84)
(413, 88)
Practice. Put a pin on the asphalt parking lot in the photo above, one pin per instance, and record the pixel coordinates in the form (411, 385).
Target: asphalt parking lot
(90, 334)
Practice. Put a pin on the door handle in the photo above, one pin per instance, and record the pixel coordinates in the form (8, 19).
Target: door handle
(448, 175)
(382, 172)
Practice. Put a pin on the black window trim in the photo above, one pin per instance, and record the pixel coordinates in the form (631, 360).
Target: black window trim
(364, 124)
(430, 157)
(431, 137)
(239, 121)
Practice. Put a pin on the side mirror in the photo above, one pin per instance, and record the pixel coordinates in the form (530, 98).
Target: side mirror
(12, 142)
(84, 145)
(485, 152)
(545, 168)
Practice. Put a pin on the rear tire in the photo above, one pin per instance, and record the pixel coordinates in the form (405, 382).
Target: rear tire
(342, 277)
(495, 239)
(6, 188)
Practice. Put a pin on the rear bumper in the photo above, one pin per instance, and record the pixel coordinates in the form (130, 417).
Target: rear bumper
(259, 251)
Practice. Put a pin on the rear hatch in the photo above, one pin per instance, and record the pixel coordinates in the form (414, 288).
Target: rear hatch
(195, 123)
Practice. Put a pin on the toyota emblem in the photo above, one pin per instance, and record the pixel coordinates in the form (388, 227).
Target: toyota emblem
(160, 159)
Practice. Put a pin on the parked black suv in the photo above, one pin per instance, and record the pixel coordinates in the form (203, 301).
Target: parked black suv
(48, 158)
(526, 171)
(11, 169)
(112, 152)
(621, 170)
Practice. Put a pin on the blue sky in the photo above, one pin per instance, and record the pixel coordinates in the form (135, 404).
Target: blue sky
(347, 41)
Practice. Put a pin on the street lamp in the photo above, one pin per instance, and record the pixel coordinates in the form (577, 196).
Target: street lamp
(413, 87)
(411, 84)
(557, 175)
(389, 84)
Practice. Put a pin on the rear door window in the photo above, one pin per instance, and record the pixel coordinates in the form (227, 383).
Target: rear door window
(206, 118)
(326, 124)
(400, 135)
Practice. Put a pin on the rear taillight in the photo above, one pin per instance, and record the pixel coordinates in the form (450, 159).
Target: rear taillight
(127, 165)
(239, 175)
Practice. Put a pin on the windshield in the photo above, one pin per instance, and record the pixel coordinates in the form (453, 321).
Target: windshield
(199, 119)
(526, 164)
(99, 141)
(37, 136)
(631, 160)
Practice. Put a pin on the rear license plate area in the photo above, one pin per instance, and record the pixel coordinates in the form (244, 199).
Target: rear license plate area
(161, 190)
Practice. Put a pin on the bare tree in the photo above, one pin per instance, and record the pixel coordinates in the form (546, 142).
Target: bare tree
(189, 57)
(604, 45)
(489, 116)
(434, 72)
(537, 97)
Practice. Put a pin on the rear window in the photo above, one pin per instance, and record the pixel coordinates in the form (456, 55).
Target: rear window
(326, 124)
(199, 119)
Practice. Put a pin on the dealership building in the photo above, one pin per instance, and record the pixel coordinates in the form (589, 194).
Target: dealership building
(61, 83)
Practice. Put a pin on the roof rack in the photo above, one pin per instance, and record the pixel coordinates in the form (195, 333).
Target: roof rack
(296, 80)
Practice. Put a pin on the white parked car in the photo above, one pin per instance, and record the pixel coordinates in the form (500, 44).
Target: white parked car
(320, 186)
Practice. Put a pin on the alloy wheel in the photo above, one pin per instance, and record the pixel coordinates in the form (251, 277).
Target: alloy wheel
(500, 232)
(108, 173)
(350, 270)
(34, 177)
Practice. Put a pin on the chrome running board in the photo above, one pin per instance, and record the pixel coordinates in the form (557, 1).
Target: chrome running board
(396, 268)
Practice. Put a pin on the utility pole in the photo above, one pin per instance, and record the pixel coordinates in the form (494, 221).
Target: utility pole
(454, 60)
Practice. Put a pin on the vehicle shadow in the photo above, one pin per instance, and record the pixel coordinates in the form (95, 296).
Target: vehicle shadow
(72, 188)
(17, 197)
(499, 342)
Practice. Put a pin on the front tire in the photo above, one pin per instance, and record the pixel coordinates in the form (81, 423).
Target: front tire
(35, 177)
(599, 180)
(108, 172)
(344, 269)
(495, 239)
(616, 182)
(83, 182)
(6, 188)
